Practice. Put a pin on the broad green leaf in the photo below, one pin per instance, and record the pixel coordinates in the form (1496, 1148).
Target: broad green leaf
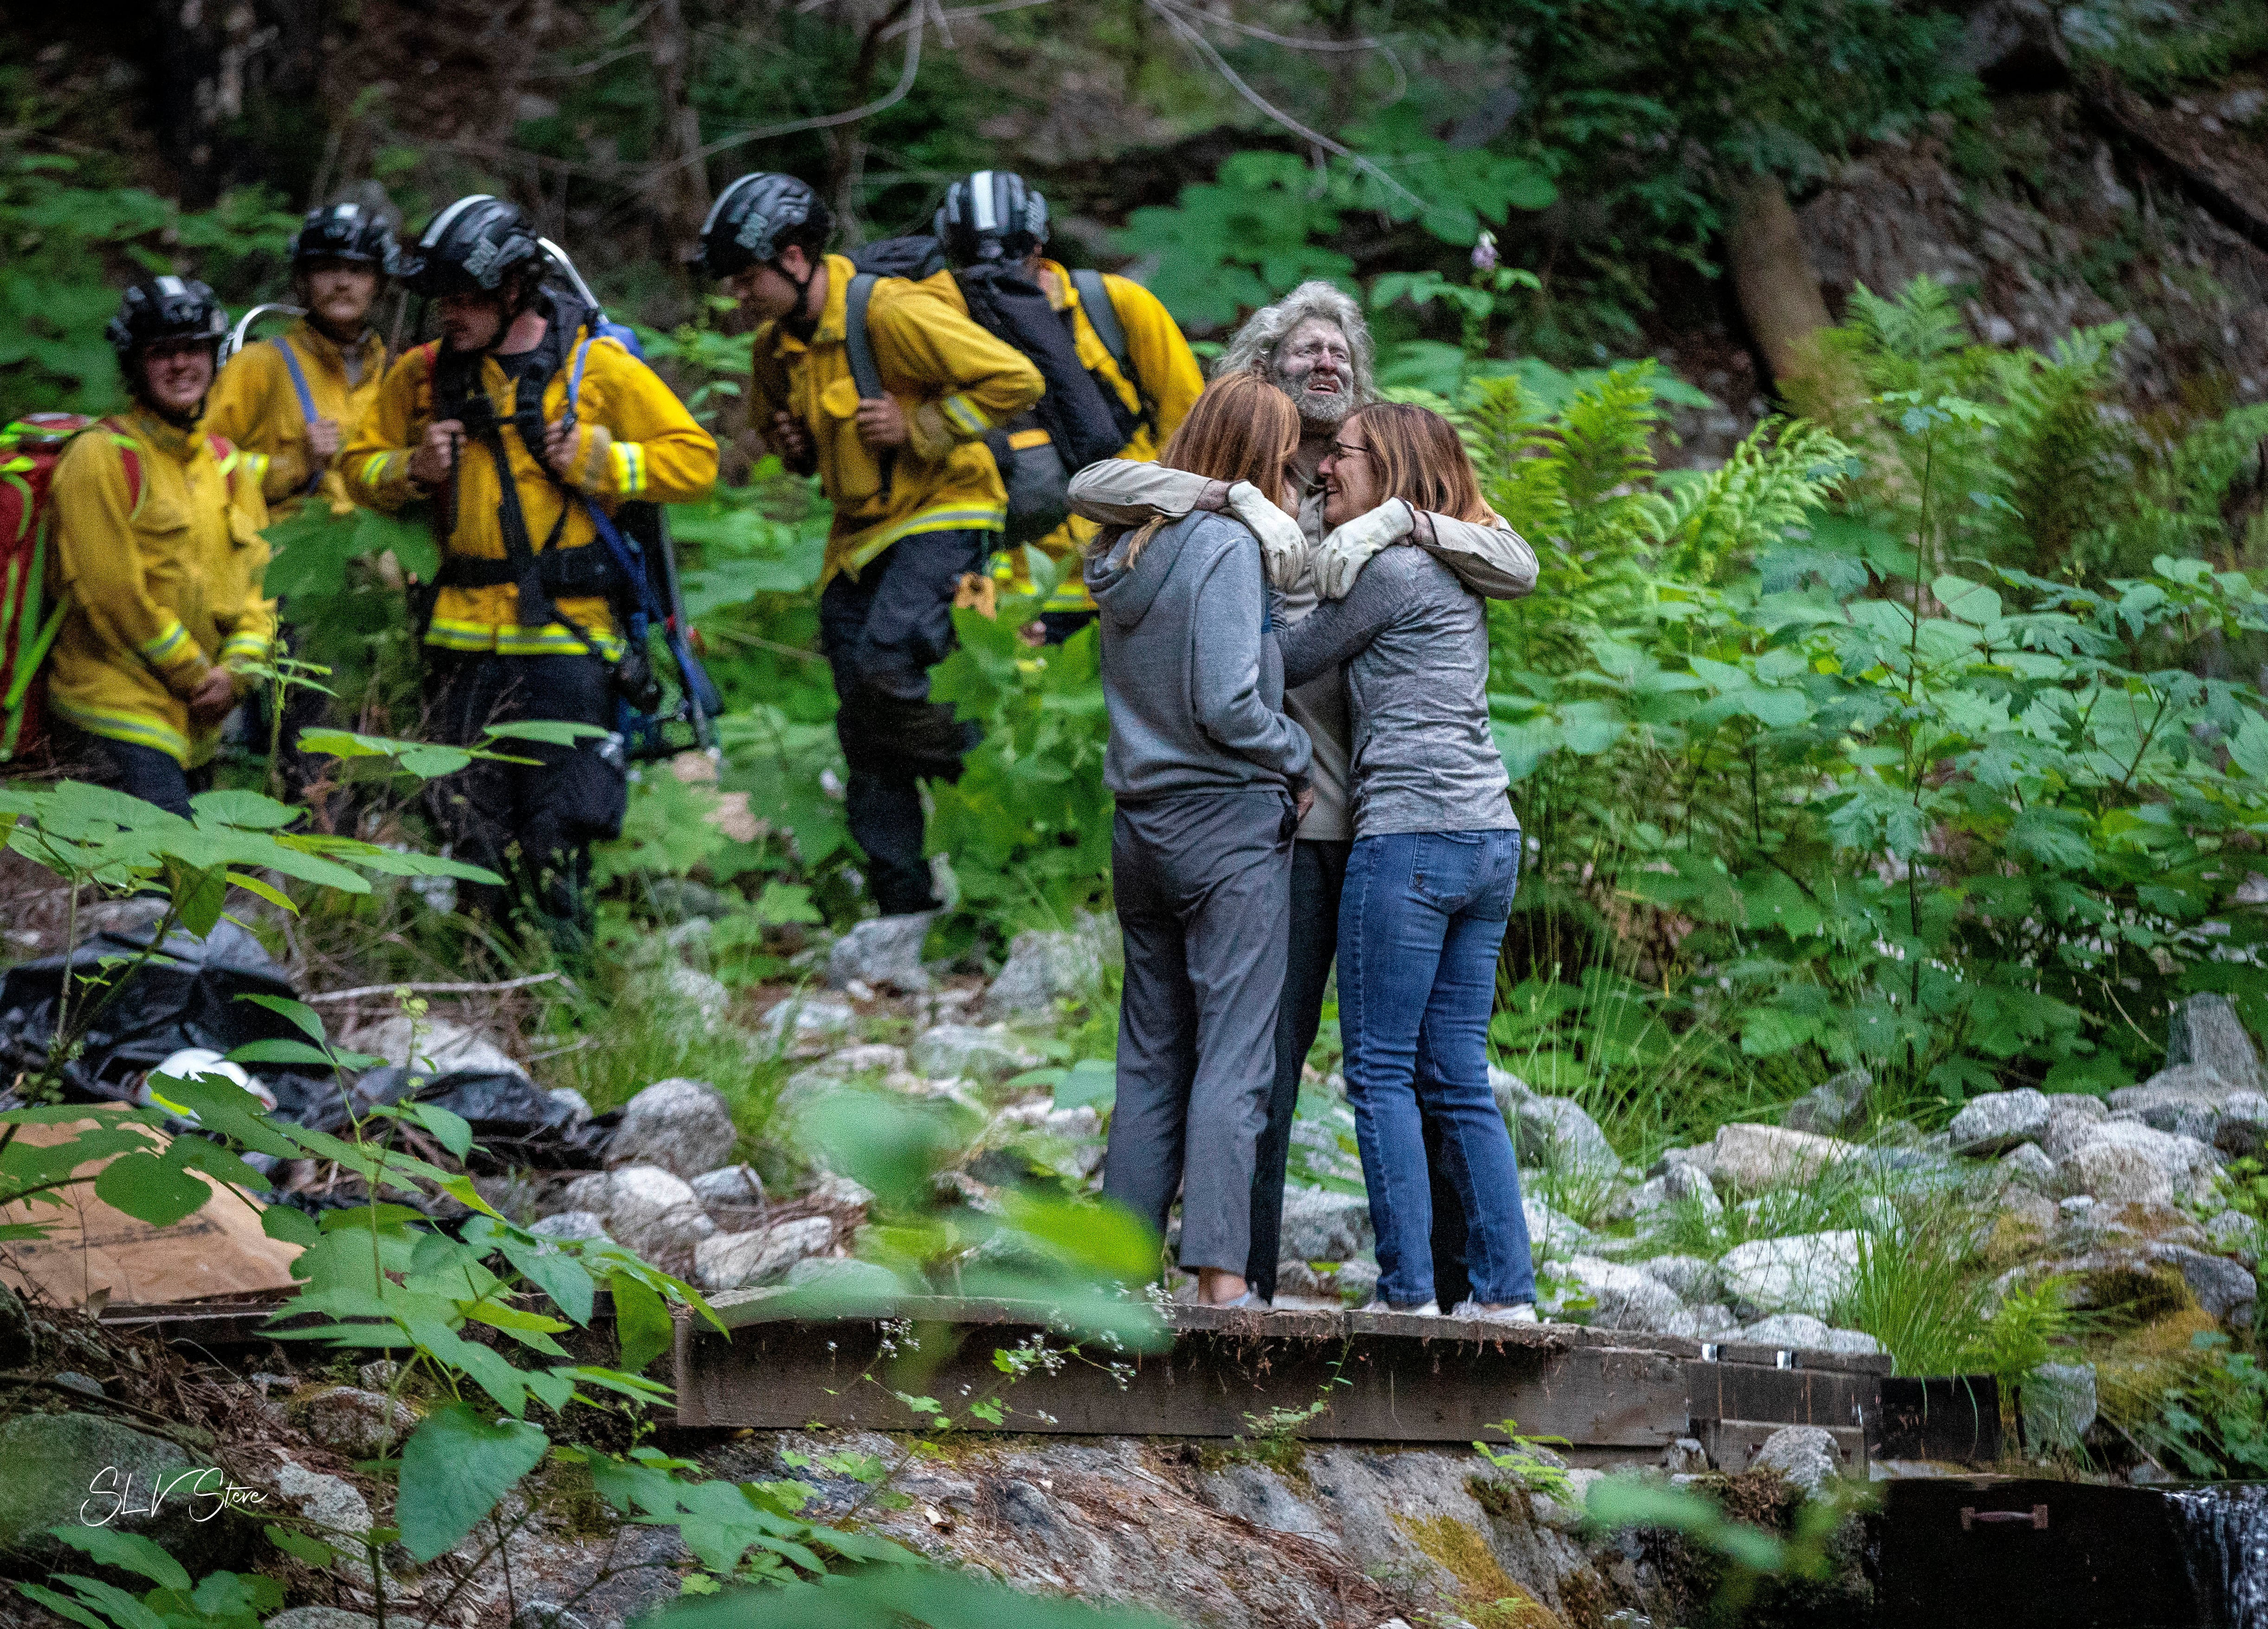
(149, 1189)
(129, 1552)
(450, 1129)
(555, 1272)
(641, 1325)
(1092, 1082)
(309, 1020)
(455, 1468)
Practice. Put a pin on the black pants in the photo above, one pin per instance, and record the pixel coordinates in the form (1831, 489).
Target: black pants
(1318, 874)
(142, 772)
(1059, 626)
(882, 632)
(532, 824)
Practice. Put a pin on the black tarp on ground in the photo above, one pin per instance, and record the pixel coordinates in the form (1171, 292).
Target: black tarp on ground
(189, 995)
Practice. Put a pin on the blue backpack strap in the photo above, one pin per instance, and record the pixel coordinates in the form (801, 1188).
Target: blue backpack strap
(307, 413)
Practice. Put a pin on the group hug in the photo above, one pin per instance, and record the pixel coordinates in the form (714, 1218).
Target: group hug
(1288, 576)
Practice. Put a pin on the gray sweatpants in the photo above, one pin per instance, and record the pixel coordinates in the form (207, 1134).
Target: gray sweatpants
(1203, 886)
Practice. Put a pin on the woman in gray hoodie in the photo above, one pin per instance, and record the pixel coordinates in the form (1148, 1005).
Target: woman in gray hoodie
(1210, 777)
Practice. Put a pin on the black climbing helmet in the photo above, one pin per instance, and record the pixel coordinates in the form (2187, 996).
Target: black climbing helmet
(991, 216)
(469, 248)
(756, 218)
(343, 231)
(160, 309)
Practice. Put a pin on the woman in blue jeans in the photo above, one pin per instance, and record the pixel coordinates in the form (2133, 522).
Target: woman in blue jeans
(1435, 858)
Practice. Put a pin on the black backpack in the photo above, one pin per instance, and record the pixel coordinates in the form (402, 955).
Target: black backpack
(1078, 422)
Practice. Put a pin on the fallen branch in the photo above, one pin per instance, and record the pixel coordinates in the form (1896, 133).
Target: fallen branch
(438, 989)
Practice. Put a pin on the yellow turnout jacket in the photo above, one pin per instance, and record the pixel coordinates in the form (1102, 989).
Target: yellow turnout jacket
(254, 404)
(636, 441)
(161, 586)
(1166, 372)
(954, 381)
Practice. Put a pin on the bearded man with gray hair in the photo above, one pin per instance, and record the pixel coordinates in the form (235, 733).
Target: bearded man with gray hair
(1314, 345)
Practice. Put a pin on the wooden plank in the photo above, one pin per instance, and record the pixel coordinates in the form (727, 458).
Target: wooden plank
(1397, 1380)
(1836, 1399)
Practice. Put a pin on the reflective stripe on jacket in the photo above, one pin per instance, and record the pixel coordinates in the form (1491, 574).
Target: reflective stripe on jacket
(636, 441)
(159, 590)
(954, 381)
(255, 405)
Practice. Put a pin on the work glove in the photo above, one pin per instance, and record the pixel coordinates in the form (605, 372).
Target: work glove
(1283, 545)
(1341, 556)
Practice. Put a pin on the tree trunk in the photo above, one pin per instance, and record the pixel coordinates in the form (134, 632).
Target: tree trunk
(680, 202)
(1779, 296)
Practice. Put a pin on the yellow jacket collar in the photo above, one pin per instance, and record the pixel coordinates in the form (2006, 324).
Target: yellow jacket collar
(832, 319)
(1061, 294)
(318, 344)
(178, 444)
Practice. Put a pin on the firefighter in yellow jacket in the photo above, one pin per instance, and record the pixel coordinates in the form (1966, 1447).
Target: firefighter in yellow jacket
(513, 428)
(292, 404)
(919, 502)
(1125, 337)
(157, 535)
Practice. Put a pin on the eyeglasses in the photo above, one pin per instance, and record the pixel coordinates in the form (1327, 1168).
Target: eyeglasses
(1341, 450)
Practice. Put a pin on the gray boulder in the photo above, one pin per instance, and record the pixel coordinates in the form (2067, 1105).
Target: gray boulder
(571, 1224)
(1998, 1121)
(1689, 1278)
(705, 992)
(1804, 1273)
(2234, 1233)
(2242, 1132)
(2059, 1404)
(1804, 1455)
(72, 1468)
(574, 1102)
(2223, 1287)
(682, 1126)
(1627, 1298)
(805, 1021)
(1834, 1108)
(1684, 1181)
(2027, 1164)
(730, 1185)
(332, 1501)
(1044, 967)
(1556, 1134)
(2126, 1163)
(969, 1052)
(737, 1260)
(647, 1210)
(2188, 1100)
(2072, 1120)
(1550, 1234)
(1747, 1157)
(351, 1421)
(882, 952)
(2205, 1029)
(843, 1275)
(1800, 1331)
(437, 1043)
(1320, 1225)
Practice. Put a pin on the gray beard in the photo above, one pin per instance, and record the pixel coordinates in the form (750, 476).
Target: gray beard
(1318, 411)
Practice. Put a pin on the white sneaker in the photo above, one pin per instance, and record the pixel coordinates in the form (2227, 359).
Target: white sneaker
(1422, 1310)
(1511, 1312)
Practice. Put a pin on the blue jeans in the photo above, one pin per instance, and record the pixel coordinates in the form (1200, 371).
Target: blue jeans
(1421, 920)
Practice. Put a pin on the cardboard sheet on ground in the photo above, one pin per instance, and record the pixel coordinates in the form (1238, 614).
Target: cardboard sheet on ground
(217, 1251)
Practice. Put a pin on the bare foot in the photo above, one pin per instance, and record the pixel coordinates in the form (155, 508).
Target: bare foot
(1217, 1285)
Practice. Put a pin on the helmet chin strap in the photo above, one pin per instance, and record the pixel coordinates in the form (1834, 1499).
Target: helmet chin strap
(796, 321)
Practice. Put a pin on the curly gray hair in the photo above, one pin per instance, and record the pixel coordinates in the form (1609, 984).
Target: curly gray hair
(1252, 349)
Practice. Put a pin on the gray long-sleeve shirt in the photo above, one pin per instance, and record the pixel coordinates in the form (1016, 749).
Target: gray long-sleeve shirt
(1191, 667)
(1415, 645)
(1492, 561)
